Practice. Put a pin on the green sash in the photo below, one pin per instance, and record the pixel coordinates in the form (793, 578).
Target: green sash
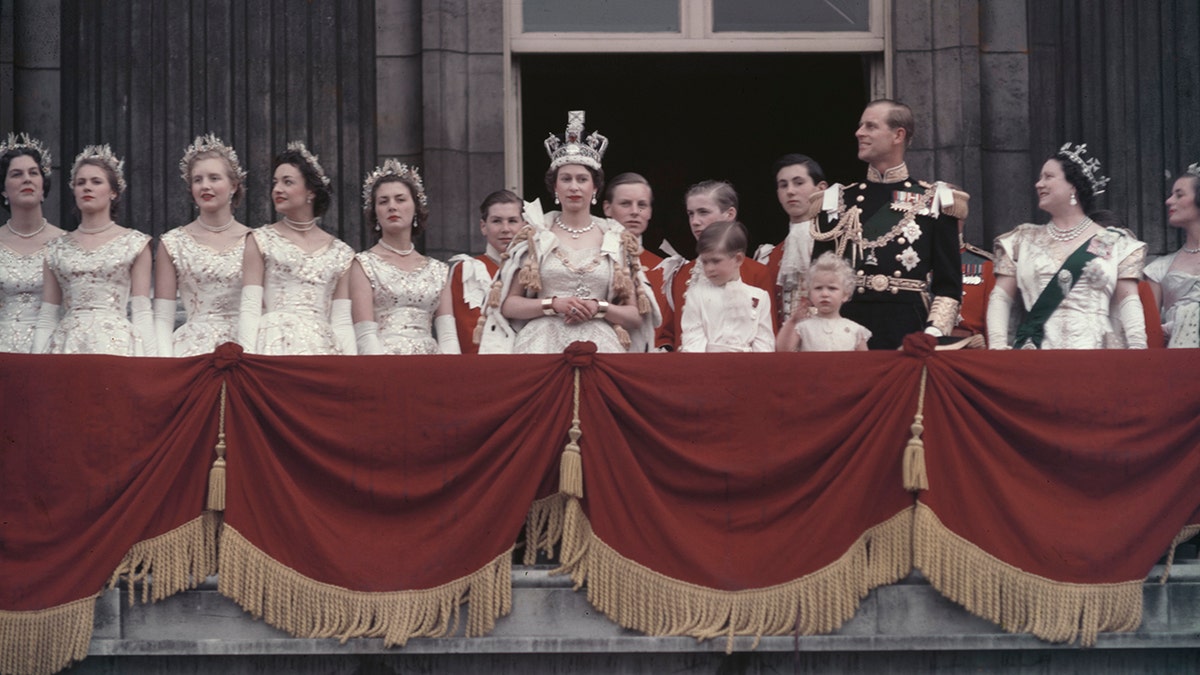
(1033, 328)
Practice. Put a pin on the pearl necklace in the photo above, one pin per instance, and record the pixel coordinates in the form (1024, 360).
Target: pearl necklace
(98, 230)
(25, 235)
(1059, 234)
(222, 228)
(570, 230)
(298, 226)
(393, 249)
(1184, 249)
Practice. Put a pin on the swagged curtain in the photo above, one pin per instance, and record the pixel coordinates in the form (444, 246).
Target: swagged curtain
(701, 495)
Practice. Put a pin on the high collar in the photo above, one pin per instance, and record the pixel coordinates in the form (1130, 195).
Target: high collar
(492, 253)
(892, 175)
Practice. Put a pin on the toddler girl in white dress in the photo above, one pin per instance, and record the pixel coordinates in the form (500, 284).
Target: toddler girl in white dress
(820, 327)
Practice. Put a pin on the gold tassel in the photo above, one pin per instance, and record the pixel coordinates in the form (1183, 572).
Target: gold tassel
(46, 640)
(1018, 601)
(641, 599)
(307, 608)
(915, 476)
(570, 468)
(623, 336)
(216, 475)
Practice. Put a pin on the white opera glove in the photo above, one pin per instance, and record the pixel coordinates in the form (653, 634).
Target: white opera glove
(249, 313)
(934, 331)
(366, 336)
(164, 326)
(447, 334)
(1134, 320)
(999, 308)
(47, 321)
(143, 323)
(343, 326)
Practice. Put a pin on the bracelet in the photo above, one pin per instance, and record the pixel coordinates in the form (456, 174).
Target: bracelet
(548, 305)
(602, 309)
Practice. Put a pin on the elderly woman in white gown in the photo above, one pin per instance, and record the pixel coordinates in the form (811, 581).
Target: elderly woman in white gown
(1175, 278)
(570, 276)
(1077, 281)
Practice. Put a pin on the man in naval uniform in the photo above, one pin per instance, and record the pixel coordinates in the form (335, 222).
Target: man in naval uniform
(900, 235)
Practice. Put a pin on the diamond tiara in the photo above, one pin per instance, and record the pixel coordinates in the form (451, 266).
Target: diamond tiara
(298, 146)
(26, 142)
(393, 168)
(209, 143)
(1090, 167)
(105, 155)
(573, 148)
(1193, 170)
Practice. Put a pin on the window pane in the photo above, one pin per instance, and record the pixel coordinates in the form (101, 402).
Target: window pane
(601, 16)
(792, 15)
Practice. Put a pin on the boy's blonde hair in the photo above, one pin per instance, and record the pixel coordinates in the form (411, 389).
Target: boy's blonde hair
(832, 263)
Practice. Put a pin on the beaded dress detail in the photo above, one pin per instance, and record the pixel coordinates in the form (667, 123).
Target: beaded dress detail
(20, 297)
(1083, 319)
(585, 273)
(95, 292)
(298, 294)
(405, 302)
(210, 287)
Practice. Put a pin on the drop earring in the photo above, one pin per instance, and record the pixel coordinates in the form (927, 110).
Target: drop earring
(593, 199)
(556, 198)
(1073, 200)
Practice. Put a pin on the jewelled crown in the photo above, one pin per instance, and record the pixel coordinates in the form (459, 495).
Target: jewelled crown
(299, 147)
(393, 168)
(105, 155)
(573, 148)
(1090, 166)
(209, 143)
(26, 142)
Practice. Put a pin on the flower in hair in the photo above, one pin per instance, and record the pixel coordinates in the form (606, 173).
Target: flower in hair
(393, 168)
(104, 154)
(24, 141)
(209, 143)
(298, 146)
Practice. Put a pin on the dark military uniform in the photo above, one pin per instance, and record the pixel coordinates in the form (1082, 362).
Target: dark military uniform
(978, 281)
(901, 236)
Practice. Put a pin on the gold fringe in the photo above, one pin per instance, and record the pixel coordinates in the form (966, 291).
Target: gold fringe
(45, 641)
(639, 598)
(544, 526)
(308, 608)
(1020, 602)
(915, 476)
(216, 475)
(1186, 533)
(177, 560)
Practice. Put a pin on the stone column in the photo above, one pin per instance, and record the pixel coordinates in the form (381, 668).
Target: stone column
(1008, 174)
(398, 85)
(36, 101)
(463, 85)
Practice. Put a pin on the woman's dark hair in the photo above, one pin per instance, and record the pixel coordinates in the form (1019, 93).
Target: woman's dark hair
(725, 236)
(112, 182)
(815, 172)
(322, 195)
(597, 177)
(7, 158)
(1074, 175)
(1195, 186)
(419, 210)
(498, 197)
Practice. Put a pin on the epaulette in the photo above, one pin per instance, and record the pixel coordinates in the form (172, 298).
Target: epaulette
(814, 204)
(959, 209)
(978, 251)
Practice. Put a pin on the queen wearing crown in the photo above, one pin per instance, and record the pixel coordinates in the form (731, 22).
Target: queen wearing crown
(295, 287)
(94, 272)
(202, 260)
(400, 297)
(1077, 281)
(25, 167)
(568, 275)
